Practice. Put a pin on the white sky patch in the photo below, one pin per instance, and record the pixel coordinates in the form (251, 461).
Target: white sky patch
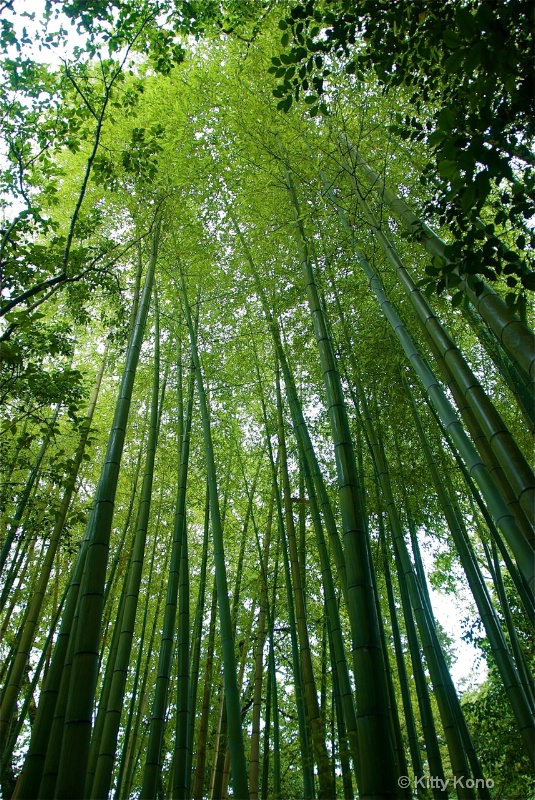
(470, 669)
(53, 56)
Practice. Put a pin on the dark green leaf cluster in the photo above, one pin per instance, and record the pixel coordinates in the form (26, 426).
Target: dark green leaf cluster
(473, 65)
(498, 742)
(24, 377)
(156, 26)
(489, 715)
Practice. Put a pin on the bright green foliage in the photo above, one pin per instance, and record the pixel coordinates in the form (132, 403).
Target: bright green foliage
(213, 585)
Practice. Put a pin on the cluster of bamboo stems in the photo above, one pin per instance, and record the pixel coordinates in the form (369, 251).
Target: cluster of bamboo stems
(90, 736)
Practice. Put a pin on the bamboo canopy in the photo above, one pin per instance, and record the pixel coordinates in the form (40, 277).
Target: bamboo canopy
(266, 368)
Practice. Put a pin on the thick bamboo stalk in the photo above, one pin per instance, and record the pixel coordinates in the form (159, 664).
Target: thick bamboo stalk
(511, 376)
(38, 594)
(373, 714)
(17, 726)
(509, 467)
(510, 331)
(77, 731)
(110, 654)
(425, 623)
(339, 661)
(29, 781)
(108, 744)
(243, 651)
(119, 555)
(497, 507)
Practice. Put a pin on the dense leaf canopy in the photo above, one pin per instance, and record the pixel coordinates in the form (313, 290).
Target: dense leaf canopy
(266, 370)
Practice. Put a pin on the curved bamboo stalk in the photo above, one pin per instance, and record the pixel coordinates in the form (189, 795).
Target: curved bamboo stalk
(524, 592)
(467, 391)
(513, 334)
(519, 544)
(77, 729)
(510, 374)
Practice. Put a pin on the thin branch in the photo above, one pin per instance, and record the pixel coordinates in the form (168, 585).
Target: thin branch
(98, 130)
(82, 95)
(9, 330)
(18, 158)
(40, 287)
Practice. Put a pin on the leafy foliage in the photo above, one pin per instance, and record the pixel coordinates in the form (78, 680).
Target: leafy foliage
(183, 136)
(467, 69)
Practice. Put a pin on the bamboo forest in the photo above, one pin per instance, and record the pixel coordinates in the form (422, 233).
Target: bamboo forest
(267, 399)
